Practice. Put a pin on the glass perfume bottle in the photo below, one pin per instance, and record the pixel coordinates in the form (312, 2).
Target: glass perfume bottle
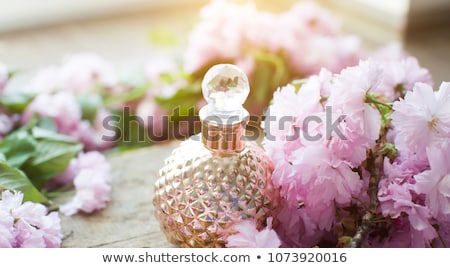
(217, 178)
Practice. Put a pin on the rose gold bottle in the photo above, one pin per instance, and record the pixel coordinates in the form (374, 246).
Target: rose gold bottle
(215, 179)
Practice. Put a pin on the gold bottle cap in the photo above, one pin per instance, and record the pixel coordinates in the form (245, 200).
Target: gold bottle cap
(225, 88)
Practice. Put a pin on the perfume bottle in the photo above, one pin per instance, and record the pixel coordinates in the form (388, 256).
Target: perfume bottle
(216, 178)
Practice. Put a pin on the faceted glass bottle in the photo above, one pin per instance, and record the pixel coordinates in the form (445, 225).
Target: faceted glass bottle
(217, 178)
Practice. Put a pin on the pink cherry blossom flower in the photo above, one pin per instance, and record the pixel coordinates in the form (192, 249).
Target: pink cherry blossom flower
(435, 182)
(315, 31)
(344, 96)
(248, 236)
(359, 132)
(352, 84)
(6, 120)
(398, 197)
(32, 225)
(284, 171)
(94, 135)
(307, 33)
(3, 76)
(444, 232)
(64, 109)
(312, 17)
(45, 80)
(81, 72)
(400, 72)
(331, 52)
(312, 178)
(401, 76)
(392, 52)
(7, 238)
(280, 115)
(304, 226)
(61, 106)
(403, 235)
(422, 118)
(324, 177)
(349, 94)
(6, 123)
(290, 230)
(28, 236)
(151, 114)
(34, 215)
(92, 184)
(285, 101)
(217, 36)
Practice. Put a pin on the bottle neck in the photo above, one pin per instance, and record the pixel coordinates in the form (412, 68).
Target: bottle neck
(224, 136)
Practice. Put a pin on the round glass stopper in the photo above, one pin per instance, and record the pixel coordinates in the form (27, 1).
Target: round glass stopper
(225, 87)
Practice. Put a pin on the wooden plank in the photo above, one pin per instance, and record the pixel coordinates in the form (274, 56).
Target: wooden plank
(129, 220)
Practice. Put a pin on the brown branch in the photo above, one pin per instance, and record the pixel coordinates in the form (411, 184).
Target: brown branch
(374, 167)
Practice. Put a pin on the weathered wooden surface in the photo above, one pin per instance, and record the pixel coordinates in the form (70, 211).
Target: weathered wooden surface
(128, 221)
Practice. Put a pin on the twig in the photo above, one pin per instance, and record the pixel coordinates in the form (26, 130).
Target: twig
(374, 168)
(441, 239)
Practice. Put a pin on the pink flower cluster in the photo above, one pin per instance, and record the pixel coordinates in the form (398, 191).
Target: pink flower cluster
(64, 109)
(399, 71)
(28, 224)
(80, 73)
(307, 35)
(6, 121)
(248, 236)
(320, 152)
(417, 183)
(57, 90)
(90, 173)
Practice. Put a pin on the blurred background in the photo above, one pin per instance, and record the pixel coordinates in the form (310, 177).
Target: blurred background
(34, 34)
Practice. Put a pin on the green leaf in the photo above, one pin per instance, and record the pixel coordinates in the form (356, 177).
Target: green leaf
(185, 99)
(13, 179)
(50, 159)
(344, 241)
(16, 102)
(388, 149)
(133, 133)
(13, 73)
(262, 83)
(89, 104)
(298, 83)
(18, 147)
(136, 93)
(42, 133)
(384, 108)
(163, 37)
(167, 78)
(270, 73)
(46, 123)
